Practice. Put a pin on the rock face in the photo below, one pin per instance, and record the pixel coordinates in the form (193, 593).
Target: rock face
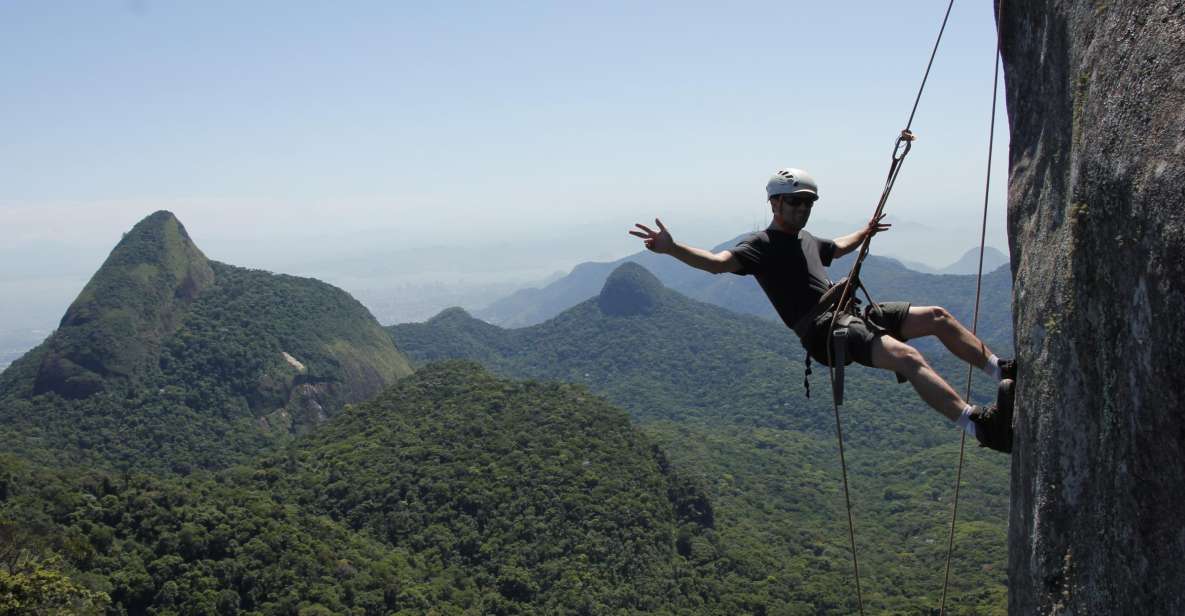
(1096, 101)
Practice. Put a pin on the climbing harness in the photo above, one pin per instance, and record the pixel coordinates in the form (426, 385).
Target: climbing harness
(845, 302)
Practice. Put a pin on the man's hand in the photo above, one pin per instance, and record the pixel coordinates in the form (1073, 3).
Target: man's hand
(849, 242)
(876, 226)
(657, 241)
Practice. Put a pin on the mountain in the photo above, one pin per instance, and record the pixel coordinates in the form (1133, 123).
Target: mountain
(451, 492)
(535, 305)
(659, 354)
(113, 331)
(721, 392)
(168, 358)
(968, 264)
(886, 279)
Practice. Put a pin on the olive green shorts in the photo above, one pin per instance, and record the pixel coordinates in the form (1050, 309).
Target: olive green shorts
(886, 320)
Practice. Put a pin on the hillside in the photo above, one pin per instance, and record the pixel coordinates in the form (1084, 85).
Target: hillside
(169, 360)
(722, 393)
(453, 491)
(660, 355)
(886, 279)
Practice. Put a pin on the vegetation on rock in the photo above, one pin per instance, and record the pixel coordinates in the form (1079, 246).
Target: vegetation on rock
(188, 375)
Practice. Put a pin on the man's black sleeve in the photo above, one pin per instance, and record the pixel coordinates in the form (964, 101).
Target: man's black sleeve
(826, 251)
(749, 253)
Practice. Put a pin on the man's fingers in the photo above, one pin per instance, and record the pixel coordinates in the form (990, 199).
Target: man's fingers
(639, 234)
(645, 228)
(660, 225)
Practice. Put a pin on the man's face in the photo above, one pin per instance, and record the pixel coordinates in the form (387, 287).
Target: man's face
(792, 211)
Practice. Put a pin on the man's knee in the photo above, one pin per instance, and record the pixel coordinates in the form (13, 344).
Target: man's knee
(898, 356)
(910, 360)
(927, 321)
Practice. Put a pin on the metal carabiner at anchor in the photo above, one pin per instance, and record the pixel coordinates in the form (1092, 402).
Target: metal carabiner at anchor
(904, 142)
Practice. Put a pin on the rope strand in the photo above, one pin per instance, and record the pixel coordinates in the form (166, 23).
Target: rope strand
(846, 497)
(926, 76)
(900, 149)
(950, 549)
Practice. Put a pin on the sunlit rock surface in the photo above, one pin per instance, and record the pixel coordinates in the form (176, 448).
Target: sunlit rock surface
(1096, 103)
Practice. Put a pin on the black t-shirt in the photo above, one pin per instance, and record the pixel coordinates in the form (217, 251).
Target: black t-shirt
(791, 270)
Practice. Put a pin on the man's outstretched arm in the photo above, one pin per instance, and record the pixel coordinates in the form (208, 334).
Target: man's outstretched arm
(661, 242)
(849, 242)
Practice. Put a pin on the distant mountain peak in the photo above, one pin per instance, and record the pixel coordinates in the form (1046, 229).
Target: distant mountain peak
(969, 262)
(115, 325)
(630, 289)
(454, 314)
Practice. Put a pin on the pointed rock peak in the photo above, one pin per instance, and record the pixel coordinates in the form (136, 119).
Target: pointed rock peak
(630, 289)
(158, 239)
(115, 325)
(157, 257)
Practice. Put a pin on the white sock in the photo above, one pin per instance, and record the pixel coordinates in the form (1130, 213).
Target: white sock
(992, 367)
(964, 421)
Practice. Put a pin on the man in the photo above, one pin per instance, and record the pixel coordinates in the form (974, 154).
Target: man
(789, 263)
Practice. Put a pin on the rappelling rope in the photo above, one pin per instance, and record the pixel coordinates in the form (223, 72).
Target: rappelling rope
(950, 548)
(900, 149)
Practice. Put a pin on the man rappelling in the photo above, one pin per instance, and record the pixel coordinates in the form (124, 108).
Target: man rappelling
(789, 263)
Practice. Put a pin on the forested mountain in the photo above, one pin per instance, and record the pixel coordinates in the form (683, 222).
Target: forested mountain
(661, 355)
(453, 492)
(169, 360)
(194, 439)
(723, 394)
(887, 279)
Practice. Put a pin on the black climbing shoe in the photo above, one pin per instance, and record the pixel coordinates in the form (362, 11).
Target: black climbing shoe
(1004, 396)
(990, 429)
(993, 423)
(1008, 369)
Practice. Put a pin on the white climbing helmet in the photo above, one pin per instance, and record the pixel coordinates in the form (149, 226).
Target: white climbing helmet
(791, 181)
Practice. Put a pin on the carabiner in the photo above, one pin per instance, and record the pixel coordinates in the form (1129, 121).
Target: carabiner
(904, 142)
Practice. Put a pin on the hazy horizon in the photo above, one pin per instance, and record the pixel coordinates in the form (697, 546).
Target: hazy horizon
(420, 155)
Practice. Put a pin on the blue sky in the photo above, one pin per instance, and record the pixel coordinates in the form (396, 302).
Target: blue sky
(290, 134)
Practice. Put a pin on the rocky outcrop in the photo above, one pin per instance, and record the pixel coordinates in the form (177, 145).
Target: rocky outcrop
(306, 405)
(1096, 102)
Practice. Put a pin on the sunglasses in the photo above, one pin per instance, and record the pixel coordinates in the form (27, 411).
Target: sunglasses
(798, 202)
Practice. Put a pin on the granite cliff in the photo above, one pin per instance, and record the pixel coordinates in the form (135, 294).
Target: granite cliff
(1096, 103)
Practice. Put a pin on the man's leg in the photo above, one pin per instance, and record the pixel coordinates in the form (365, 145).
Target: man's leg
(936, 321)
(892, 354)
